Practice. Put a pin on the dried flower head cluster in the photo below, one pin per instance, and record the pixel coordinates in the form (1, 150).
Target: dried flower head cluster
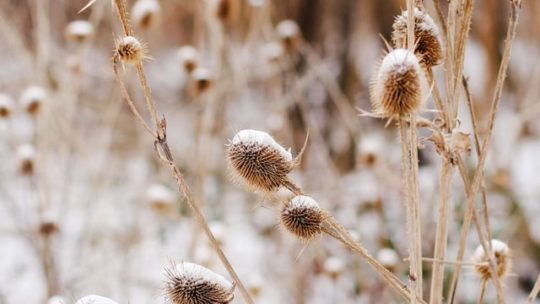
(130, 50)
(302, 216)
(396, 90)
(259, 161)
(428, 46)
(189, 58)
(32, 99)
(6, 106)
(502, 259)
(189, 283)
(79, 31)
(289, 33)
(95, 299)
(145, 13)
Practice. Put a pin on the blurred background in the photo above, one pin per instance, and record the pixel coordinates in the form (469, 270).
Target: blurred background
(86, 206)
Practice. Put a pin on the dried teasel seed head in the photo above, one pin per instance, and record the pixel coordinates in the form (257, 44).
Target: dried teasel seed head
(6, 106)
(95, 299)
(502, 258)
(202, 79)
(130, 50)
(259, 161)
(26, 156)
(428, 45)
(145, 13)
(302, 216)
(189, 58)
(32, 99)
(160, 198)
(289, 33)
(388, 258)
(79, 31)
(189, 283)
(334, 267)
(396, 90)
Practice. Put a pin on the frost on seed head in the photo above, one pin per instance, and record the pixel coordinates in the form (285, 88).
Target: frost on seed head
(32, 99)
(57, 300)
(95, 299)
(502, 258)
(26, 155)
(396, 90)
(79, 30)
(289, 33)
(188, 57)
(6, 106)
(388, 258)
(145, 12)
(302, 216)
(189, 283)
(130, 50)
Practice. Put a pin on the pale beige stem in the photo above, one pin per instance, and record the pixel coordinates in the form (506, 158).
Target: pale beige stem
(482, 292)
(534, 291)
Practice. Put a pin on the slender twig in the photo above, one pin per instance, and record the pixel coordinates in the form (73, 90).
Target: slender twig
(534, 291)
(483, 286)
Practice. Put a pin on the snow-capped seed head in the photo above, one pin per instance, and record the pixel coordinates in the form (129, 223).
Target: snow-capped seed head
(334, 267)
(203, 79)
(79, 31)
(32, 99)
(396, 90)
(57, 300)
(502, 258)
(388, 258)
(6, 106)
(288, 32)
(130, 50)
(428, 46)
(26, 155)
(302, 216)
(189, 58)
(145, 13)
(95, 299)
(259, 161)
(189, 283)
(272, 51)
(371, 147)
(160, 198)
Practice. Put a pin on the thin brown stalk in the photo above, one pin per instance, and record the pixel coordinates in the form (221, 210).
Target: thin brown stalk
(534, 291)
(482, 292)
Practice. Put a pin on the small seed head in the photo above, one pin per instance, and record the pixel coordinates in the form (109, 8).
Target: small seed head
(57, 300)
(396, 90)
(189, 283)
(26, 155)
(259, 161)
(388, 258)
(502, 258)
(302, 216)
(334, 267)
(6, 106)
(32, 99)
(130, 50)
(79, 31)
(94, 299)
(203, 79)
(189, 58)
(145, 13)
(289, 33)
(428, 46)
(160, 198)
(225, 9)
(272, 52)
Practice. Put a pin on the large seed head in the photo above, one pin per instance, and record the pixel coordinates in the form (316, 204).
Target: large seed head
(396, 90)
(259, 161)
(302, 216)
(32, 99)
(428, 46)
(130, 50)
(94, 299)
(6, 106)
(502, 258)
(79, 31)
(189, 283)
(145, 13)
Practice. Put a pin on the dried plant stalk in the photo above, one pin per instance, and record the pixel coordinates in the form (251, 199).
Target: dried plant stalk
(534, 291)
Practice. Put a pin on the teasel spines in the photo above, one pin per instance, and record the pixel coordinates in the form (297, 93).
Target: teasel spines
(303, 217)
(6, 106)
(428, 46)
(503, 261)
(189, 283)
(130, 50)
(95, 299)
(396, 90)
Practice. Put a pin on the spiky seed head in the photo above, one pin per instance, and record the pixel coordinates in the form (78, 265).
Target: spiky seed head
(203, 79)
(388, 258)
(189, 283)
(26, 155)
(130, 50)
(189, 58)
(334, 267)
(259, 161)
(502, 259)
(145, 13)
(302, 216)
(428, 45)
(57, 300)
(6, 106)
(396, 90)
(79, 31)
(32, 99)
(95, 299)
(289, 33)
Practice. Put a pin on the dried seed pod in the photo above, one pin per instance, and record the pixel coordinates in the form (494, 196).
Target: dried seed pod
(502, 258)
(130, 50)
(26, 155)
(428, 46)
(160, 198)
(6, 106)
(189, 283)
(396, 90)
(388, 258)
(189, 58)
(259, 161)
(145, 13)
(334, 267)
(302, 216)
(79, 31)
(32, 99)
(202, 79)
(289, 33)
(94, 299)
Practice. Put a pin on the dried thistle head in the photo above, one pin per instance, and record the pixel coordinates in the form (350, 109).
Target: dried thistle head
(32, 99)
(145, 13)
(428, 46)
(396, 90)
(95, 299)
(160, 198)
(334, 267)
(6, 106)
(202, 79)
(130, 50)
(189, 283)
(302, 216)
(388, 258)
(289, 33)
(502, 259)
(26, 156)
(189, 58)
(259, 161)
(79, 31)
